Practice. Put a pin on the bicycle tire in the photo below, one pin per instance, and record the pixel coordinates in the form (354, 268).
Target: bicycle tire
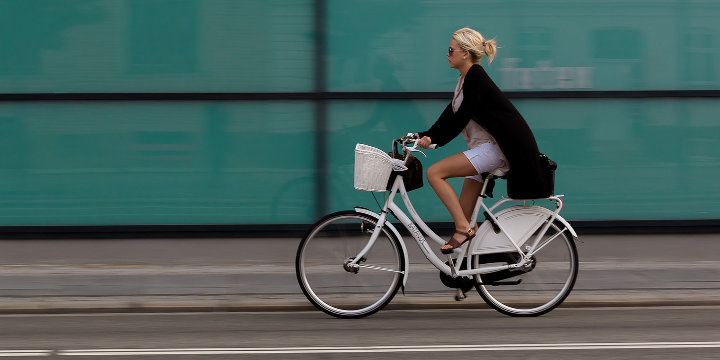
(545, 284)
(333, 288)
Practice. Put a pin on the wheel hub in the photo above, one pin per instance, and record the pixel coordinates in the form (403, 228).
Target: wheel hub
(530, 264)
(353, 268)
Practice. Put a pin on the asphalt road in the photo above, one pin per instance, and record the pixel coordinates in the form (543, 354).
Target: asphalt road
(580, 333)
(100, 275)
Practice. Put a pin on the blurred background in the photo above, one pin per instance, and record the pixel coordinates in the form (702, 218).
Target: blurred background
(209, 112)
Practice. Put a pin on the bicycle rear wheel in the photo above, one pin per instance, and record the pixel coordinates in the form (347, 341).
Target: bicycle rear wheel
(338, 289)
(540, 287)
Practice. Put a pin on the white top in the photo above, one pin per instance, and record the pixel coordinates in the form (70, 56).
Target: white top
(474, 134)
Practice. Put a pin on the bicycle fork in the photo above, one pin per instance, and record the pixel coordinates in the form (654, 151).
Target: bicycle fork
(361, 255)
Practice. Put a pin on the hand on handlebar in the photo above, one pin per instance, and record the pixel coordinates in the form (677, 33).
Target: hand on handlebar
(425, 142)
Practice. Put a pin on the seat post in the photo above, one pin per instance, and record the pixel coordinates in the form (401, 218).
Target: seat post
(487, 181)
(481, 196)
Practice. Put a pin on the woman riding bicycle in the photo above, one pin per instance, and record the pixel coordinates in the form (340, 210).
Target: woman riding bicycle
(499, 140)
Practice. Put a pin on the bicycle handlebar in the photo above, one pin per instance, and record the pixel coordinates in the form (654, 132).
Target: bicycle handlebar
(405, 141)
(410, 137)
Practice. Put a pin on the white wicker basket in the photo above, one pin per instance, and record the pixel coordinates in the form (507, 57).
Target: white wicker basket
(372, 168)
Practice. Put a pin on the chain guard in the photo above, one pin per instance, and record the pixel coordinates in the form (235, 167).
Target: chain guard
(508, 258)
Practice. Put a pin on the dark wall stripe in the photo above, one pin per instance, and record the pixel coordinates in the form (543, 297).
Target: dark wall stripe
(321, 95)
(321, 163)
(298, 230)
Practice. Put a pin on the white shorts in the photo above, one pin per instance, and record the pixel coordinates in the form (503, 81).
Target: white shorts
(486, 158)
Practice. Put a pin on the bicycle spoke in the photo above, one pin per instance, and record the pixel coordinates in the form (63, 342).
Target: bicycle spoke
(544, 284)
(546, 242)
(332, 282)
(373, 267)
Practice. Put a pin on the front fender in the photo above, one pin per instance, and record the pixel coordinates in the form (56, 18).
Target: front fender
(397, 235)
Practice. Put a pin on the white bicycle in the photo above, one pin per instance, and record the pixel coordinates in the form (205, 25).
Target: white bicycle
(522, 261)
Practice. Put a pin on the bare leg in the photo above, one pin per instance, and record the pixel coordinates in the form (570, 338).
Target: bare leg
(469, 195)
(453, 166)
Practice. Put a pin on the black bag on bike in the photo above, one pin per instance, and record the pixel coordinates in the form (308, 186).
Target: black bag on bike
(533, 186)
(413, 176)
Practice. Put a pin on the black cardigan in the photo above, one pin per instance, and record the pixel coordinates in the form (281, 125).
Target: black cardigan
(485, 103)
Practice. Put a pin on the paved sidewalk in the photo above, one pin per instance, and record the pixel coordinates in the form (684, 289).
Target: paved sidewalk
(259, 275)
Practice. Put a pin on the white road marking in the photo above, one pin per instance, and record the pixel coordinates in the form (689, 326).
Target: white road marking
(360, 349)
(19, 353)
(388, 349)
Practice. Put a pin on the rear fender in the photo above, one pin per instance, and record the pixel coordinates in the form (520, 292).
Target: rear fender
(518, 221)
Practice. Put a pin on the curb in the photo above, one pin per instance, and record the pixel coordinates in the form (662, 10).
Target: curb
(273, 305)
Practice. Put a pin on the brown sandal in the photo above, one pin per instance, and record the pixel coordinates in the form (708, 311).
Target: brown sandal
(454, 243)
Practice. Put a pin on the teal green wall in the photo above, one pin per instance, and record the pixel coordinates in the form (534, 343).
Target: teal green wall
(151, 163)
(244, 162)
(155, 46)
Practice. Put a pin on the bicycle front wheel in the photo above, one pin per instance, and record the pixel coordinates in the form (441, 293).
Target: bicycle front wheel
(329, 280)
(538, 288)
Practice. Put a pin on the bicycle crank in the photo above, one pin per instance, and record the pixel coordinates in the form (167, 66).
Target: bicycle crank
(496, 278)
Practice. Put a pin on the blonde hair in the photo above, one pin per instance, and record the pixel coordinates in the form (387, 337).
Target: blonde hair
(472, 41)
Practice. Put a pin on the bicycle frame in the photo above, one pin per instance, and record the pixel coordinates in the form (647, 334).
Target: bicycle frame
(391, 207)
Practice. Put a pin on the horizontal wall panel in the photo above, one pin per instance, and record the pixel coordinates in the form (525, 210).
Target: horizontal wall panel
(544, 45)
(156, 163)
(215, 163)
(155, 46)
(618, 159)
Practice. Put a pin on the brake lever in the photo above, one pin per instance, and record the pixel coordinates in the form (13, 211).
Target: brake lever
(414, 147)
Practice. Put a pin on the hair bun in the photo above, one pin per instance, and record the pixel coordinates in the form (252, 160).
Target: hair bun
(474, 42)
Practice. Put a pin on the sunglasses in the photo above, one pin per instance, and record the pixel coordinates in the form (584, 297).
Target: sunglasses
(451, 50)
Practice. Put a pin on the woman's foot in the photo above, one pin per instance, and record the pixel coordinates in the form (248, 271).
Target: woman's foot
(458, 238)
(462, 293)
